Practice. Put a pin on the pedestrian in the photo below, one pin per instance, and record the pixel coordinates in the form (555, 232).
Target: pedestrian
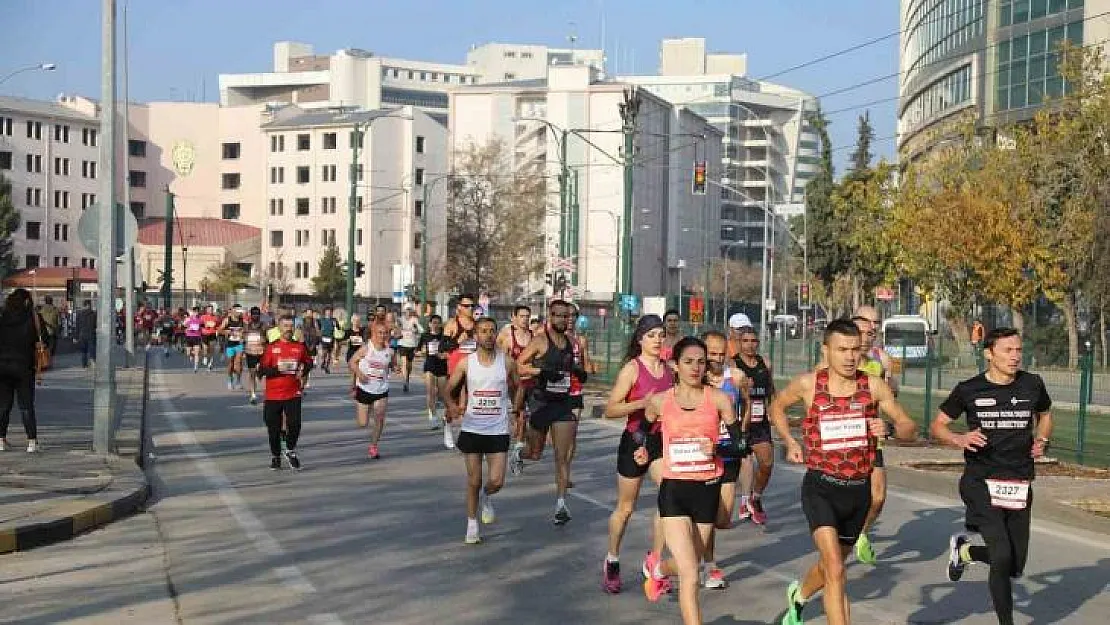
(50, 317)
(86, 333)
(22, 337)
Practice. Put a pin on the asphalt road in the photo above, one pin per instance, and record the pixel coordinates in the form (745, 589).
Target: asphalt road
(349, 540)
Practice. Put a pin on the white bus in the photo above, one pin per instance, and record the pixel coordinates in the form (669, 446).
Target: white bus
(906, 337)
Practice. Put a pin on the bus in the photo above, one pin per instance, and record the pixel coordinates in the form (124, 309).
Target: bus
(906, 338)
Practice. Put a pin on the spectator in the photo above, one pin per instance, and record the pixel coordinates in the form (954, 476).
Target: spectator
(50, 317)
(86, 333)
(21, 336)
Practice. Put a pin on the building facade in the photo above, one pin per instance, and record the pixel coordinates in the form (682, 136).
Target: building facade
(309, 172)
(770, 152)
(530, 117)
(995, 60)
(506, 62)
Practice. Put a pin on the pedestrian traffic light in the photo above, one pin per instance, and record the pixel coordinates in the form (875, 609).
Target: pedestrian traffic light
(803, 296)
(699, 181)
(71, 290)
(549, 279)
(360, 269)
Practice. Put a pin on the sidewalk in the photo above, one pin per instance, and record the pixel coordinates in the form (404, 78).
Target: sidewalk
(65, 489)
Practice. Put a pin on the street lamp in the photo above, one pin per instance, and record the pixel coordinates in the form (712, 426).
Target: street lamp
(45, 67)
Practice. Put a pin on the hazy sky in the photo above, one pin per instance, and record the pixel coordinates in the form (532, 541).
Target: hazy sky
(178, 48)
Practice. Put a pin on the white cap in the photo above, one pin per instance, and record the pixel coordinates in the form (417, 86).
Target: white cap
(739, 320)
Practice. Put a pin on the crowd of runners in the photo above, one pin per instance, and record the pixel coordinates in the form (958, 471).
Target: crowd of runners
(702, 416)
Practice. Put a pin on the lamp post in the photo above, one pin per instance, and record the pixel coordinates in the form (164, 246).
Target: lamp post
(45, 67)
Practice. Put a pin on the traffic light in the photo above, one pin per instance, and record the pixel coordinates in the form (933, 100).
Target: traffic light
(71, 290)
(360, 268)
(803, 296)
(549, 279)
(699, 181)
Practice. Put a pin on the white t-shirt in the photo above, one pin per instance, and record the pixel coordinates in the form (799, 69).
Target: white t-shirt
(487, 405)
(375, 365)
(410, 332)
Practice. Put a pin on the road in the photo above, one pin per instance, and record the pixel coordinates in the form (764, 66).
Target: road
(353, 541)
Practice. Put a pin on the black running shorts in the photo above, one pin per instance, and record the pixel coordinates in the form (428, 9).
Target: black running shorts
(541, 415)
(626, 463)
(368, 399)
(435, 366)
(759, 432)
(471, 443)
(253, 360)
(832, 502)
(732, 472)
(690, 498)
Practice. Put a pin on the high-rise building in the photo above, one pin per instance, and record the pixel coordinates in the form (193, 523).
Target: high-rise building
(770, 151)
(997, 60)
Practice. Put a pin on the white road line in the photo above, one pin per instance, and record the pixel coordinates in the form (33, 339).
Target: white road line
(325, 619)
(293, 579)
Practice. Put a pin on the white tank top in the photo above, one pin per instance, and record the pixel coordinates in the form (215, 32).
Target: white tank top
(375, 365)
(487, 404)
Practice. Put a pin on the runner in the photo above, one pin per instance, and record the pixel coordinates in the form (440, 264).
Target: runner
(166, 325)
(432, 345)
(549, 357)
(643, 376)
(356, 337)
(232, 328)
(671, 333)
(342, 327)
(733, 382)
(327, 339)
(512, 339)
(762, 391)
(490, 380)
(460, 334)
(253, 349)
(691, 415)
(838, 433)
(194, 336)
(874, 362)
(145, 320)
(179, 330)
(310, 335)
(406, 345)
(285, 365)
(370, 366)
(1009, 426)
(210, 324)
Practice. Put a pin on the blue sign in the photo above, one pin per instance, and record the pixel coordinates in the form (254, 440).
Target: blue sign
(630, 303)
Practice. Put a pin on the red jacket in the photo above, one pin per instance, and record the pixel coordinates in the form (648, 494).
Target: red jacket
(291, 360)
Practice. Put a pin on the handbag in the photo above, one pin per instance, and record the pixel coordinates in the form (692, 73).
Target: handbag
(42, 355)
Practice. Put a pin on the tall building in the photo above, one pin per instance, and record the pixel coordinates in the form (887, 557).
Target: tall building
(669, 223)
(770, 152)
(999, 60)
(309, 172)
(506, 62)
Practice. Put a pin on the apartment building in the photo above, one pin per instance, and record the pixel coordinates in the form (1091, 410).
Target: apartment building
(669, 224)
(505, 62)
(309, 172)
(49, 152)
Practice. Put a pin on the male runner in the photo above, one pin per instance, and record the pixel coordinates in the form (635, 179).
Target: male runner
(210, 325)
(285, 365)
(875, 362)
(490, 380)
(671, 333)
(1009, 426)
(512, 339)
(460, 332)
(327, 339)
(432, 344)
(549, 357)
(165, 326)
(232, 328)
(253, 349)
(838, 434)
(762, 391)
(406, 345)
(144, 320)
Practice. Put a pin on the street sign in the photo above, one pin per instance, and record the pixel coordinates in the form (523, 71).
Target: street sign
(884, 294)
(630, 302)
(563, 264)
(770, 304)
(88, 229)
(697, 310)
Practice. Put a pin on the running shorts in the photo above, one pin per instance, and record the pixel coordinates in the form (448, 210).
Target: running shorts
(406, 352)
(253, 360)
(626, 463)
(690, 498)
(208, 338)
(435, 366)
(576, 402)
(192, 341)
(732, 472)
(1003, 530)
(542, 414)
(471, 443)
(829, 501)
(233, 350)
(368, 399)
(759, 432)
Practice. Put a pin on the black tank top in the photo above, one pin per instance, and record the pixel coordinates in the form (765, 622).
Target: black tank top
(235, 331)
(562, 360)
(762, 384)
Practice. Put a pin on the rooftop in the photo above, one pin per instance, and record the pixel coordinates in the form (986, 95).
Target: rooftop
(43, 108)
(198, 231)
(296, 117)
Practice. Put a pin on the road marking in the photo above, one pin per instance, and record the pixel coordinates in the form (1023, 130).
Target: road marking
(293, 579)
(325, 619)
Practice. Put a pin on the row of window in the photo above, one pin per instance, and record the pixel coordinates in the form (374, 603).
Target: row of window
(61, 131)
(33, 231)
(304, 143)
(941, 27)
(1021, 11)
(950, 91)
(327, 237)
(460, 79)
(1028, 66)
(31, 261)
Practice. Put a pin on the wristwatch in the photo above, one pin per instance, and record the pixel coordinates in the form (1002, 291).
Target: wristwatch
(1047, 443)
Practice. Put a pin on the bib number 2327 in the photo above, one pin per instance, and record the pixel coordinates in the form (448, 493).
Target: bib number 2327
(1009, 494)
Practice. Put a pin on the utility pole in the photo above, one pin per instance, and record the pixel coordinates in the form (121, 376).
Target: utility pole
(356, 143)
(564, 217)
(424, 251)
(104, 389)
(167, 261)
(128, 246)
(629, 110)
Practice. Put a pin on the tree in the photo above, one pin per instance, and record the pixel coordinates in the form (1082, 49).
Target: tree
(226, 278)
(330, 282)
(827, 258)
(861, 156)
(495, 234)
(863, 207)
(277, 276)
(10, 221)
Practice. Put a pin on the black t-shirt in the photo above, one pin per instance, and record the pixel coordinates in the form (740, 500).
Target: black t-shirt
(437, 344)
(1005, 414)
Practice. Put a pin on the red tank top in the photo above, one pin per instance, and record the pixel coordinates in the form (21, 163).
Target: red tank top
(835, 432)
(515, 348)
(686, 435)
(646, 383)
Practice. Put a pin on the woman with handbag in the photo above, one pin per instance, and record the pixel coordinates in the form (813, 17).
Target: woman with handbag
(22, 347)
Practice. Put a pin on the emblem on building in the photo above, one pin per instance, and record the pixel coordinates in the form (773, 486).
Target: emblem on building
(184, 156)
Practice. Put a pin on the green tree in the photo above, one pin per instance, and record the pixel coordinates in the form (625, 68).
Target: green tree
(827, 258)
(861, 156)
(10, 221)
(330, 281)
(226, 278)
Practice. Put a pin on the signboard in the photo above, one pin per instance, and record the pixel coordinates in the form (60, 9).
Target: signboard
(402, 275)
(697, 310)
(563, 264)
(884, 294)
(655, 305)
(630, 303)
(88, 229)
(770, 304)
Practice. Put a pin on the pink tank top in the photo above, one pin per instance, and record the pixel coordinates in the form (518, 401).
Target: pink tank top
(645, 384)
(686, 436)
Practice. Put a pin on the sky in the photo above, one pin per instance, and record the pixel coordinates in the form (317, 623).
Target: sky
(178, 48)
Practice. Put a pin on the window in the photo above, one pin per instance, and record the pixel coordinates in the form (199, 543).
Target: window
(328, 173)
(6, 126)
(89, 199)
(329, 140)
(302, 238)
(510, 54)
(358, 203)
(136, 148)
(419, 145)
(5, 160)
(61, 133)
(61, 199)
(277, 143)
(510, 76)
(351, 138)
(358, 171)
(138, 209)
(303, 175)
(304, 142)
(423, 75)
(228, 211)
(34, 130)
(88, 169)
(327, 237)
(525, 55)
(358, 236)
(61, 166)
(411, 75)
(418, 176)
(302, 206)
(138, 179)
(61, 232)
(277, 175)
(34, 164)
(276, 237)
(418, 208)
(31, 261)
(327, 205)
(1028, 65)
(277, 207)
(416, 241)
(34, 230)
(231, 151)
(230, 181)
(88, 137)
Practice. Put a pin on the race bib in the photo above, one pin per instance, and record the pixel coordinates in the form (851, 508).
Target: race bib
(686, 455)
(433, 348)
(1009, 494)
(723, 436)
(288, 366)
(485, 403)
(254, 338)
(407, 335)
(209, 324)
(374, 369)
(758, 411)
(235, 335)
(193, 327)
(562, 386)
(848, 432)
(326, 339)
(356, 339)
(469, 346)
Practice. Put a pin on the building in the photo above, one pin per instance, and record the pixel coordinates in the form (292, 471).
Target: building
(669, 223)
(49, 152)
(506, 62)
(997, 61)
(770, 151)
(210, 243)
(308, 168)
